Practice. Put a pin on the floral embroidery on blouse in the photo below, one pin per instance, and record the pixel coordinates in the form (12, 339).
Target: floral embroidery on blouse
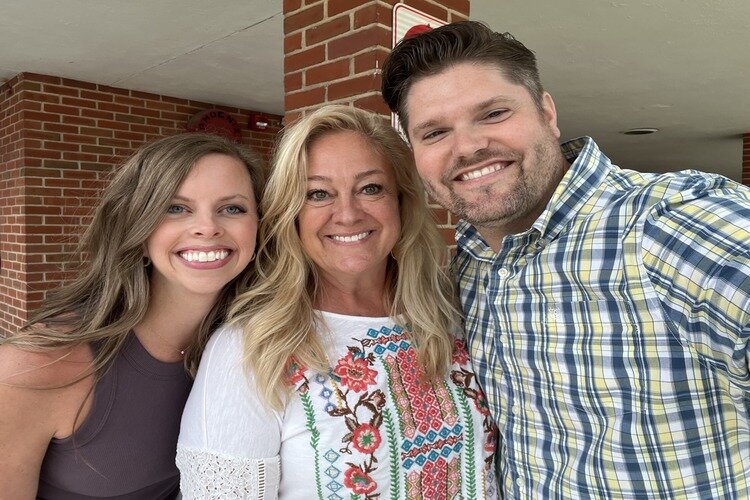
(423, 433)
(466, 380)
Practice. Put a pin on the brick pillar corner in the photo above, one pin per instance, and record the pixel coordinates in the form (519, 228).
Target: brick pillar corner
(12, 238)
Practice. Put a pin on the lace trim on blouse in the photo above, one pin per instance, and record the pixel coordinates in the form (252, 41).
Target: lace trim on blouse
(207, 475)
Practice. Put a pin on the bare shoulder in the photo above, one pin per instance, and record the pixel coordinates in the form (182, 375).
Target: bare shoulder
(40, 396)
(22, 368)
(44, 390)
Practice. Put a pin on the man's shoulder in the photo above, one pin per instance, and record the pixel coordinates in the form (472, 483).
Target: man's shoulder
(666, 183)
(648, 191)
(714, 216)
(698, 194)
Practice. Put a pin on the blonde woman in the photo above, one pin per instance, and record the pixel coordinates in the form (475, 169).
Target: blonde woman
(339, 373)
(92, 390)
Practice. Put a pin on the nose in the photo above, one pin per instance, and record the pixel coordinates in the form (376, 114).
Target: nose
(468, 140)
(207, 225)
(347, 209)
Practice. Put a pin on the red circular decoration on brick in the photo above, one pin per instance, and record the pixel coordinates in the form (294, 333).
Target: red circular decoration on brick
(216, 121)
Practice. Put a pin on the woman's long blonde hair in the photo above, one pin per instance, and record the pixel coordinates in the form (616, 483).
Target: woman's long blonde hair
(277, 313)
(110, 295)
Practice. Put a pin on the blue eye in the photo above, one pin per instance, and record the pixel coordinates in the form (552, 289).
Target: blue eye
(235, 210)
(317, 195)
(372, 189)
(175, 209)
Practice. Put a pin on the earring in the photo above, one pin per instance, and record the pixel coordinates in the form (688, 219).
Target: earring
(146, 261)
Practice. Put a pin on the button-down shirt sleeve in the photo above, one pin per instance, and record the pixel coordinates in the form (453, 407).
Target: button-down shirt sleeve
(696, 249)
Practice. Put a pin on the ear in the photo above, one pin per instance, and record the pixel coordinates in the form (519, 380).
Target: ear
(549, 114)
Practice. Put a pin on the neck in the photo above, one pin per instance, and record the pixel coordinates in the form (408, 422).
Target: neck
(353, 298)
(171, 324)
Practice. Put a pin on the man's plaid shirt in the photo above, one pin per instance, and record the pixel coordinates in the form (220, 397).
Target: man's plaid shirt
(612, 337)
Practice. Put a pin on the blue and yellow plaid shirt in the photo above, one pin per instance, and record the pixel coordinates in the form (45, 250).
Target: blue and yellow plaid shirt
(612, 337)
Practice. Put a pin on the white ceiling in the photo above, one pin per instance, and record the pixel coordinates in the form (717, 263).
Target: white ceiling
(682, 66)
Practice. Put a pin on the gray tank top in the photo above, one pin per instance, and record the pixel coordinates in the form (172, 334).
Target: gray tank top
(125, 447)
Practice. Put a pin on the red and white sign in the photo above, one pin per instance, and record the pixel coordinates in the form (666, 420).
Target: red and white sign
(406, 18)
(408, 22)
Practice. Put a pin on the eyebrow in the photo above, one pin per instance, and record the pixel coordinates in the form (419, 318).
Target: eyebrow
(479, 106)
(359, 176)
(223, 198)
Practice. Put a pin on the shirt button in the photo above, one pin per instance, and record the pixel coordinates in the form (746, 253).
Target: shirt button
(516, 409)
(503, 273)
(519, 482)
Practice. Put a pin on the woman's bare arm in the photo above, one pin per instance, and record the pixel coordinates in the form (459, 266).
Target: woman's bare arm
(37, 403)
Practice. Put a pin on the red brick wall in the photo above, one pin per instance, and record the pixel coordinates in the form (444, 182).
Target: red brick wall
(746, 159)
(60, 140)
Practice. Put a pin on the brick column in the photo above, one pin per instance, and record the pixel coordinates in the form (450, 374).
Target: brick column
(334, 49)
(746, 159)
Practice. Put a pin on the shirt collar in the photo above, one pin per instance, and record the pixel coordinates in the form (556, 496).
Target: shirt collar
(589, 167)
(469, 240)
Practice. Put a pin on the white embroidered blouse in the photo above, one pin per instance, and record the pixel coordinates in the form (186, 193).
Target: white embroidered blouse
(368, 428)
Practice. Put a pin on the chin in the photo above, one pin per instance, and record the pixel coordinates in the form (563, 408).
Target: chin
(207, 290)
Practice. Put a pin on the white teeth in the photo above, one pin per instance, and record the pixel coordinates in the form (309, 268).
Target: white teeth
(475, 174)
(211, 256)
(351, 239)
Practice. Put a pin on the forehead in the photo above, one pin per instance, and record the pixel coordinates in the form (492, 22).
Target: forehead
(485, 77)
(344, 153)
(221, 161)
(217, 169)
(459, 89)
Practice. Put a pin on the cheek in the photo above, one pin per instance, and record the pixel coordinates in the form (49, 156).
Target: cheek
(303, 222)
(429, 166)
(242, 232)
(391, 215)
(252, 239)
(158, 242)
(306, 226)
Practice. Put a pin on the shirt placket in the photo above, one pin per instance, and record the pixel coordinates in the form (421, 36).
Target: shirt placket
(514, 420)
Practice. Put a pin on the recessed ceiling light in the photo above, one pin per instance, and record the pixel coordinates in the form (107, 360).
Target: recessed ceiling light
(641, 131)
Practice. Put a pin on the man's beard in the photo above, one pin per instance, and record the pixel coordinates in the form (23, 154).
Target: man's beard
(531, 187)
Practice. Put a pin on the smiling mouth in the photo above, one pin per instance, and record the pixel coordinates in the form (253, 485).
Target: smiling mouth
(211, 256)
(352, 238)
(476, 174)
